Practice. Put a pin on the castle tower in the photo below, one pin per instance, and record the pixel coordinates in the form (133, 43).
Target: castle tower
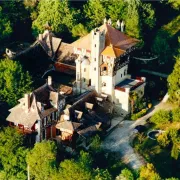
(97, 45)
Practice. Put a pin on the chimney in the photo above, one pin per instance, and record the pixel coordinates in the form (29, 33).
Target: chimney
(49, 81)
(27, 101)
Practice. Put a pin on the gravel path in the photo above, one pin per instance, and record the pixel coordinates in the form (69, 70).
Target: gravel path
(119, 139)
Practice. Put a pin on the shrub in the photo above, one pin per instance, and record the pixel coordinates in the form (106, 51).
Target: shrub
(126, 174)
(139, 114)
(148, 172)
(163, 139)
(176, 115)
(161, 117)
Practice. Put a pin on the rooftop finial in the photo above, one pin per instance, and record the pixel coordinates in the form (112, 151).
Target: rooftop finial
(109, 22)
(105, 20)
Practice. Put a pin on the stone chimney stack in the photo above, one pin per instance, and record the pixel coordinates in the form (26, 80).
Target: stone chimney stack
(27, 101)
(49, 81)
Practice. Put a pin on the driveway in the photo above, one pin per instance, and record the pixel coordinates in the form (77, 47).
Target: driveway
(119, 139)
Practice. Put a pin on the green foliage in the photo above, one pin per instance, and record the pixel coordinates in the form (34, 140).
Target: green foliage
(70, 170)
(101, 174)
(148, 172)
(161, 117)
(79, 30)
(163, 139)
(175, 4)
(42, 160)
(13, 81)
(126, 174)
(176, 115)
(164, 44)
(117, 9)
(12, 155)
(95, 12)
(139, 114)
(95, 145)
(174, 83)
(5, 26)
(57, 13)
(140, 17)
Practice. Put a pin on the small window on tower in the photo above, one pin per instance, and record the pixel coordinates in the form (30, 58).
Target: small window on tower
(124, 72)
(94, 59)
(94, 69)
(121, 75)
(84, 69)
(95, 45)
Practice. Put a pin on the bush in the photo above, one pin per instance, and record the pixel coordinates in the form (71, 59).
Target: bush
(148, 172)
(161, 117)
(176, 115)
(163, 139)
(126, 174)
(139, 114)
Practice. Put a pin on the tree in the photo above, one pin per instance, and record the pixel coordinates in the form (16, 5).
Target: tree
(161, 117)
(133, 96)
(174, 83)
(148, 172)
(95, 145)
(101, 174)
(140, 17)
(117, 10)
(79, 30)
(175, 4)
(126, 174)
(57, 13)
(13, 81)
(42, 160)
(12, 155)
(80, 169)
(95, 12)
(5, 26)
(176, 115)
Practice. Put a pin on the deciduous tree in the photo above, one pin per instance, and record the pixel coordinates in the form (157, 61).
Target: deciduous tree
(12, 155)
(42, 160)
(14, 82)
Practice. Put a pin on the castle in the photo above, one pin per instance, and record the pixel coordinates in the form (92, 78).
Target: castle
(102, 64)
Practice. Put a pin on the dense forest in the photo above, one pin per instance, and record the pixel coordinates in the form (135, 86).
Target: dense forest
(155, 23)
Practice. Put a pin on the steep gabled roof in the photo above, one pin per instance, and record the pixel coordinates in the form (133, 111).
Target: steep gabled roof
(112, 51)
(113, 38)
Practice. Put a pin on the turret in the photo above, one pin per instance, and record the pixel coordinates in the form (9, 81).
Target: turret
(97, 46)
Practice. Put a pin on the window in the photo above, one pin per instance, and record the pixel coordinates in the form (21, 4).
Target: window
(124, 72)
(94, 59)
(84, 69)
(84, 79)
(121, 75)
(105, 69)
(95, 45)
(94, 69)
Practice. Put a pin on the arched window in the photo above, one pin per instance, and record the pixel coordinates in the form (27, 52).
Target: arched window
(84, 69)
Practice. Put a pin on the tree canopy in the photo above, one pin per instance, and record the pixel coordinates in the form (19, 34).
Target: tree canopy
(14, 82)
(58, 14)
(42, 160)
(12, 155)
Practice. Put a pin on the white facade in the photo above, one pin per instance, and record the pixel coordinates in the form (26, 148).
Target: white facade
(96, 71)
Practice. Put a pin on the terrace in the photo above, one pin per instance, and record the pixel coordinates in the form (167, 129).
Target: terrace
(129, 84)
